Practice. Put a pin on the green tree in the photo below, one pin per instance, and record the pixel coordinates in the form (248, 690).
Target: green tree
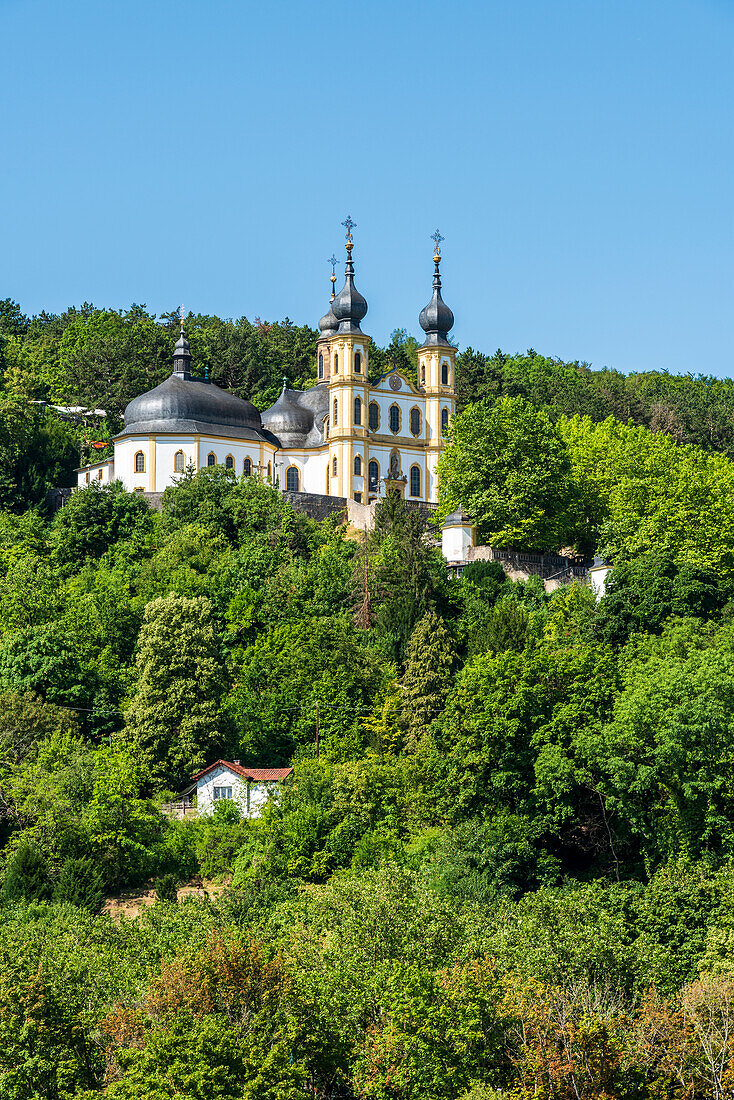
(175, 714)
(26, 875)
(96, 518)
(428, 676)
(508, 466)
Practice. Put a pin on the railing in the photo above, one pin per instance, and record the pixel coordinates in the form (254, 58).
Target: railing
(184, 808)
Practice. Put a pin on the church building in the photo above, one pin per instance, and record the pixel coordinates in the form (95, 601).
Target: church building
(342, 437)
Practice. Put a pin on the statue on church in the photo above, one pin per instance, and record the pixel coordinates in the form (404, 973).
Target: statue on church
(394, 466)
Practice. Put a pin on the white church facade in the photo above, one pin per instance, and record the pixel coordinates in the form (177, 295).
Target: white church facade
(342, 437)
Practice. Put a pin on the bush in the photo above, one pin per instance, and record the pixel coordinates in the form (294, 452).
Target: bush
(26, 876)
(80, 883)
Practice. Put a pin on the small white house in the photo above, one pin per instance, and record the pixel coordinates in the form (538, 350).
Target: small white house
(250, 788)
(458, 535)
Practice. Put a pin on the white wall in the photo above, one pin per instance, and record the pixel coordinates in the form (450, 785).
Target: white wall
(101, 472)
(456, 542)
(223, 777)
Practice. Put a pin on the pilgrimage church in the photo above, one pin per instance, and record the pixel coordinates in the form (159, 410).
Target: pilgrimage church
(343, 437)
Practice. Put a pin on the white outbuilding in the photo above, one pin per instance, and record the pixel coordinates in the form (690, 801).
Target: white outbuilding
(249, 788)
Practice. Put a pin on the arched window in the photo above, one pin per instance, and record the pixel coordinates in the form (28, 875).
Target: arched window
(229, 463)
(179, 462)
(357, 411)
(292, 480)
(444, 421)
(373, 476)
(247, 468)
(394, 419)
(358, 465)
(335, 417)
(270, 473)
(333, 466)
(139, 462)
(358, 363)
(321, 365)
(415, 481)
(444, 373)
(374, 416)
(415, 422)
(336, 362)
(211, 459)
(423, 372)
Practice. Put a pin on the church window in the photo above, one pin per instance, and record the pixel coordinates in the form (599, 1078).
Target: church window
(336, 362)
(335, 417)
(333, 466)
(444, 421)
(179, 462)
(374, 416)
(423, 372)
(87, 479)
(415, 422)
(99, 475)
(229, 463)
(139, 463)
(292, 480)
(415, 481)
(358, 465)
(211, 459)
(269, 470)
(358, 497)
(444, 373)
(247, 468)
(358, 363)
(373, 476)
(394, 419)
(357, 411)
(321, 365)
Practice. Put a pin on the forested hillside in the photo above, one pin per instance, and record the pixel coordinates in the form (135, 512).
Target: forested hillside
(506, 872)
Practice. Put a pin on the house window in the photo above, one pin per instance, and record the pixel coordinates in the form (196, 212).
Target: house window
(374, 416)
(87, 477)
(357, 411)
(333, 466)
(139, 463)
(358, 497)
(415, 422)
(358, 363)
(444, 421)
(444, 374)
(335, 417)
(179, 462)
(99, 475)
(336, 363)
(358, 465)
(373, 476)
(415, 481)
(211, 459)
(292, 480)
(394, 419)
(229, 463)
(222, 792)
(247, 468)
(321, 365)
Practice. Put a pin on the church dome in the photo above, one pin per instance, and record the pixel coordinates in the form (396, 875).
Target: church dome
(328, 324)
(436, 319)
(184, 404)
(349, 307)
(288, 419)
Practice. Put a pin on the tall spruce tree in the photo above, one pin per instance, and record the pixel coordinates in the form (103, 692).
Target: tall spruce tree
(175, 714)
(428, 676)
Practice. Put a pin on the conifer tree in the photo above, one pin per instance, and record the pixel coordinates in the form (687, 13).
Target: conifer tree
(428, 676)
(175, 713)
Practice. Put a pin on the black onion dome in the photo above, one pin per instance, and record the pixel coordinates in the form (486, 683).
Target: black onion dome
(436, 319)
(349, 307)
(328, 324)
(189, 405)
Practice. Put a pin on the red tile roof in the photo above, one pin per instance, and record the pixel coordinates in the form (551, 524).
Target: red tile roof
(258, 775)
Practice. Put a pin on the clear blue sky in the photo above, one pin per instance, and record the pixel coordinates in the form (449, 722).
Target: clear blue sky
(576, 154)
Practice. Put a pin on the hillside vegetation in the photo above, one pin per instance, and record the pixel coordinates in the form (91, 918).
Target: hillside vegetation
(508, 871)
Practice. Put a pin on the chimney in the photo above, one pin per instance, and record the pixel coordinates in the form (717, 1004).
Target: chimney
(236, 761)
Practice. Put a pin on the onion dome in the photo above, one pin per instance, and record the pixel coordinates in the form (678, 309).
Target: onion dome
(182, 352)
(328, 324)
(436, 319)
(349, 307)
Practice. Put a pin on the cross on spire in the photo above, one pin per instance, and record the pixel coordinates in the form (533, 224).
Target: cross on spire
(332, 260)
(437, 238)
(350, 225)
(182, 317)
